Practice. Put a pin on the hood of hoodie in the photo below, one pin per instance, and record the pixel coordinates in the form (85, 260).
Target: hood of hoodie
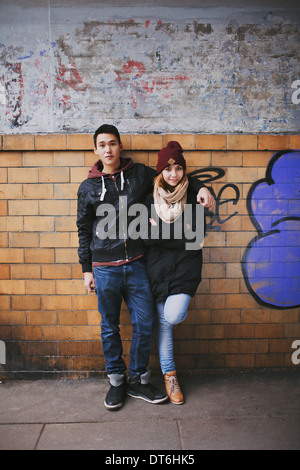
(96, 170)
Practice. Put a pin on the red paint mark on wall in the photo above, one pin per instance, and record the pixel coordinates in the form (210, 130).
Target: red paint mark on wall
(70, 77)
(134, 75)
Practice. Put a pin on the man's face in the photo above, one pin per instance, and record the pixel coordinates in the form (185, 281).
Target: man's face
(108, 150)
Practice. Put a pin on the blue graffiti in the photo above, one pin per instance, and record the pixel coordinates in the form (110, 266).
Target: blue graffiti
(271, 262)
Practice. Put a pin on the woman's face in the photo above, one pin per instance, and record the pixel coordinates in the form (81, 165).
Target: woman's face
(173, 174)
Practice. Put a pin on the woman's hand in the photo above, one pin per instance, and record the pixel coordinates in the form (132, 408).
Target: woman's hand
(205, 198)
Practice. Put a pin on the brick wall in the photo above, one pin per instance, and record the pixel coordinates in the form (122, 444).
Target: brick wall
(49, 324)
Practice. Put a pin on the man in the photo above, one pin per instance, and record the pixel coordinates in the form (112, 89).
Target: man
(114, 267)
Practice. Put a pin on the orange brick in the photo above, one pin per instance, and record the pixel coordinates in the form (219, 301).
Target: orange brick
(26, 333)
(23, 207)
(295, 142)
(28, 175)
(12, 317)
(70, 287)
(226, 159)
(147, 142)
(25, 271)
(40, 287)
(18, 142)
(224, 286)
(11, 255)
(239, 239)
(187, 141)
(78, 174)
(27, 302)
(57, 333)
(273, 142)
(41, 318)
(74, 317)
(141, 157)
(257, 346)
(211, 142)
(3, 175)
(50, 142)
(54, 239)
(74, 238)
(126, 141)
(256, 159)
(10, 159)
(3, 240)
(56, 271)
(4, 302)
(242, 175)
(39, 255)
(4, 271)
(38, 191)
(65, 191)
(54, 175)
(73, 348)
(54, 207)
(56, 302)
(12, 224)
(38, 224)
(37, 159)
(269, 331)
(3, 207)
(240, 301)
(269, 360)
(84, 302)
(63, 224)
(90, 159)
(66, 255)
(23, 240)
(68, 158)
(215, 239)
(197, 158)
(242, 142)
(12, 287)
(80, 141)
(240, 361)
(86, 333)
(10, 191)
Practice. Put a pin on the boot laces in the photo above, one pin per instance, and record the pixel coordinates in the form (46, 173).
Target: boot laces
(174, 385)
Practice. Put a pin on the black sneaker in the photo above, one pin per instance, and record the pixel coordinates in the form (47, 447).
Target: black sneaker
(116, 394)
(145, 391)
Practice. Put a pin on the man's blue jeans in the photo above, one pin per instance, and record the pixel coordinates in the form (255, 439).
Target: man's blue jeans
(129, 281)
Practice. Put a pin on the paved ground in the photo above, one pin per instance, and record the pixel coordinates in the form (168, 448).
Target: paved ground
(242, 411)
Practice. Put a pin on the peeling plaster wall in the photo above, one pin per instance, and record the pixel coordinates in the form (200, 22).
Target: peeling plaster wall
(70, 66)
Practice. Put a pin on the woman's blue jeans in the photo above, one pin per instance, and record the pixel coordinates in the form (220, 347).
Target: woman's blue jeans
(128, 281)
(171, 312)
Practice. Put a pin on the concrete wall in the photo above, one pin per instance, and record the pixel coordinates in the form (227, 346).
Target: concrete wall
(148, 67)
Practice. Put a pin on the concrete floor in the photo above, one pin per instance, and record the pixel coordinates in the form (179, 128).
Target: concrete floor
(240, 411)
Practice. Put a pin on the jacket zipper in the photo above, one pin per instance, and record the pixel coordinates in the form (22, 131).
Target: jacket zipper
(124, 233)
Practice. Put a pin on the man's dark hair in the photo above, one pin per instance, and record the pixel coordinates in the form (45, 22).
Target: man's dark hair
(106, 129)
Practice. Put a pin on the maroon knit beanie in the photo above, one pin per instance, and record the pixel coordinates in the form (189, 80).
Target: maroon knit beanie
(170, 155)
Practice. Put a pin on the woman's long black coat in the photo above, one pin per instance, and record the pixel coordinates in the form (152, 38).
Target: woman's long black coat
(173, 269)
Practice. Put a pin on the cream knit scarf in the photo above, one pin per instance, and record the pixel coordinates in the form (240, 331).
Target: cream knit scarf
(170, 205)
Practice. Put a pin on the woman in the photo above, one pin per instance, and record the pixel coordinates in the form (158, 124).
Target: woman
(174, 270)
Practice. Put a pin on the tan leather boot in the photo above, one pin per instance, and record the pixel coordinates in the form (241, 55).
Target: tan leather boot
(173, 389)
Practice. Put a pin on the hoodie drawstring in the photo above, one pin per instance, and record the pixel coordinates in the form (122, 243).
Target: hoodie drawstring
(122, 180)
(104, 190)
